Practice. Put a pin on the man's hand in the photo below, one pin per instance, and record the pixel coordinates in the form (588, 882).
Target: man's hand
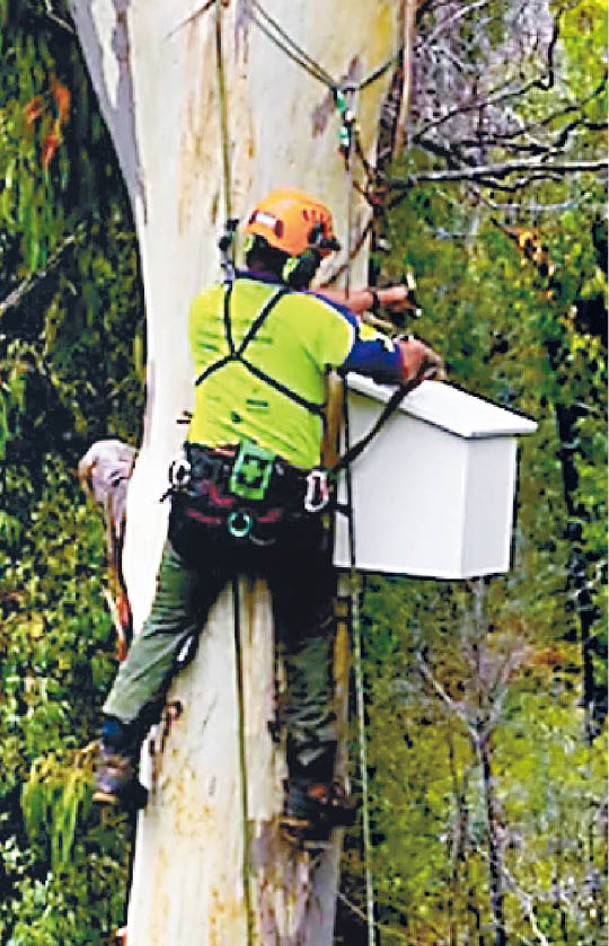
(419, 361)
(398, 298)
(395, 299)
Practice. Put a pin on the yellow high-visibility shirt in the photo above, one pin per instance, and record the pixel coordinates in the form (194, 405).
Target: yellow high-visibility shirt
(299, 340)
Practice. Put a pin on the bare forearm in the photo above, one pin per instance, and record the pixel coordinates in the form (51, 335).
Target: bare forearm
(358, 300)
(394, 298)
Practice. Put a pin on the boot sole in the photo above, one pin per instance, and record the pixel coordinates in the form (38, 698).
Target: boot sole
(136, 798)
(104, 798)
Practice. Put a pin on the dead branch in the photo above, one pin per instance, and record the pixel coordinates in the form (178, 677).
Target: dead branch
(407, 24)
(32, 280)
(493, 173)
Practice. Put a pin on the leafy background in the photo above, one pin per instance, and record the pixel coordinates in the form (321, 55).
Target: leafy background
(486, 700)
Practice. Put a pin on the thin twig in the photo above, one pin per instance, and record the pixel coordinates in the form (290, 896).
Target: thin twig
(456, 708)
(361, 915)
(48, 6)
(16, 296)
(190, 19)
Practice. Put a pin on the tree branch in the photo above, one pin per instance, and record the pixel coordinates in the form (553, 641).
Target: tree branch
(32, 280)
(51, 15)
(551, 117)
(456, 708)
(361, 915)
(526, 902)
(498, 171)
(407, 27)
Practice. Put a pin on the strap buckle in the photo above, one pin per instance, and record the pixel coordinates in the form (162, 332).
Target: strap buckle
(317, 496)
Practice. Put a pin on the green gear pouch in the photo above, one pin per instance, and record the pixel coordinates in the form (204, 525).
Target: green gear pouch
(251, 472)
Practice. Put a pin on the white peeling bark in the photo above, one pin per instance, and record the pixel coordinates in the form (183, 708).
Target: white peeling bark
(154, 69)
(406, 25)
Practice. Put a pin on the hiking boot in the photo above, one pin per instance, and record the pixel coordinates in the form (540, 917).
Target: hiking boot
(116, 781)
(115, 776)
(313, 810)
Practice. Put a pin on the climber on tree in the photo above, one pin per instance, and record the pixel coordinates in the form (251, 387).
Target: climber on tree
(249, 495)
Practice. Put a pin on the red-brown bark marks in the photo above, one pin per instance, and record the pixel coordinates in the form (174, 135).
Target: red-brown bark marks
(199, 155)
(223, 915)
(160, 901)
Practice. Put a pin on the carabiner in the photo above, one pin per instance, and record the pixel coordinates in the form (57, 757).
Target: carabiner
(318, 493)
(180, 472)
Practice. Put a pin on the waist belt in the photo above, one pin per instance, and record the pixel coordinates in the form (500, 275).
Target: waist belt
(284, 484)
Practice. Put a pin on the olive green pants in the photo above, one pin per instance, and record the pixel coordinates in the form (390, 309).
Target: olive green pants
(197, 563)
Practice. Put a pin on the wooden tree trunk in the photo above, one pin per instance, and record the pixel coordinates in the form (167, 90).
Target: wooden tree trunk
(209, 867)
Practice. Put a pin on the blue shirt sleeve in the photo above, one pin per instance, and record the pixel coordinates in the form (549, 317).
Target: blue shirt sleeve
(372, 353)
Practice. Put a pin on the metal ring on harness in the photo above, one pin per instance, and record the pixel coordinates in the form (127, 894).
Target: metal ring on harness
(240, 524)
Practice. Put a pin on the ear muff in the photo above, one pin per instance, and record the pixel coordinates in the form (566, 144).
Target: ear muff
(300, 270)
(319, 241)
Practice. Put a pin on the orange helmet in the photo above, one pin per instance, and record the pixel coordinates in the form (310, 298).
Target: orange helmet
(292, 221)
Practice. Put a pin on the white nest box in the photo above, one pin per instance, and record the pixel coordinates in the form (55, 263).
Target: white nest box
(433, 493)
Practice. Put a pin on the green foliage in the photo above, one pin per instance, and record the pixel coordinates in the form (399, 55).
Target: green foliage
(56, 654)
(460, 676)
(584, 37)
(71, 321)
(68, 260)
(3, 424)
(81, 904)
(55, 794)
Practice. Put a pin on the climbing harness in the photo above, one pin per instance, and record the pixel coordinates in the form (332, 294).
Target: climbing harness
(237, 352)
(248, 491)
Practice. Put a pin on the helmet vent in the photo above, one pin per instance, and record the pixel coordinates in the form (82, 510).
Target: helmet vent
(265, 219)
